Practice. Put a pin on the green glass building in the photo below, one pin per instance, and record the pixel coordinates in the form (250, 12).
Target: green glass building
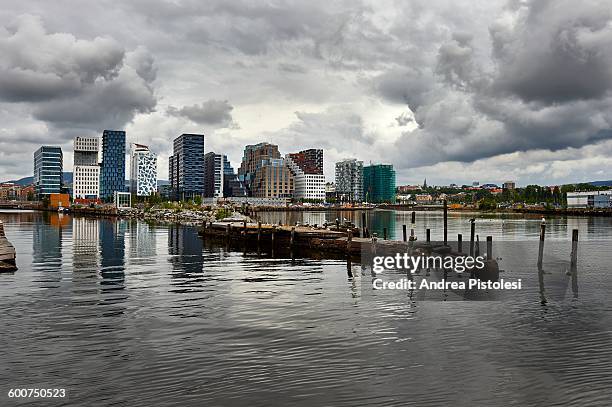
(379, 183)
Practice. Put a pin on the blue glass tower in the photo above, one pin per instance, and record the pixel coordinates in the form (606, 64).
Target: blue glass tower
(48, 167)
(112, 169)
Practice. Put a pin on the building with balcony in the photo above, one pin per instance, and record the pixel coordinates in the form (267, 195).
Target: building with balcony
(349, 180)
(86, 168)
(307, 171)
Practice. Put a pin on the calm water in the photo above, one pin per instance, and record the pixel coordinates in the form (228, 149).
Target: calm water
(126, 313)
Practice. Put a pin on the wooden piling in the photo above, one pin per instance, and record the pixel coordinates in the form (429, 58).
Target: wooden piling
(445, 222)
(489, 247)
(404, 232)
(428, 235)
(258, 233)
(460, 243)
(363, 224)
(472, 235)
(384, 233)
(574, 254)
(349, 242)
(541, 246)
(292, 238)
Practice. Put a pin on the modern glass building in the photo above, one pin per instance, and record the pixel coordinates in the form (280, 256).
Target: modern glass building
(379, 183)
(48, 167)
(186, 166)
(112, 169)
(232, 186)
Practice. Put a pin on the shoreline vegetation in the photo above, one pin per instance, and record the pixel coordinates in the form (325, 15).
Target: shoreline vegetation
(194, 213)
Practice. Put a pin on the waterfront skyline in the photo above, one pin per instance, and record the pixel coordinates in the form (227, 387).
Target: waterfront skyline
(352, 78)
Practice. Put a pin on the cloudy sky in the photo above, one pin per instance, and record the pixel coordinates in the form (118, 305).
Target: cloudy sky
(454, 91)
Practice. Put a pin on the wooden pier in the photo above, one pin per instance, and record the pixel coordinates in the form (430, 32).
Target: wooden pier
(334, 242)
(7, 253)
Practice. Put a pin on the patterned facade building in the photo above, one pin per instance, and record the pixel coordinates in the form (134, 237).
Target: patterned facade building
(112, 169)
(186, 166)
(48, 171)
(143, 171)
(349, 180)
(307, 170)
(86, 170)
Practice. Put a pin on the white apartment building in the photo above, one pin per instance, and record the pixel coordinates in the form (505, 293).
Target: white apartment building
(86, 171)
(306, 185)
(143, 171)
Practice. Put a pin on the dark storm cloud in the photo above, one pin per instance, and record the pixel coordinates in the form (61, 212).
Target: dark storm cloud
(545, 84)
(211, 112)
(73, 83)
(482, 79)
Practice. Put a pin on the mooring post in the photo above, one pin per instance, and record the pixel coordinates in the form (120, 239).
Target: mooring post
(574, 255)
(489, 247)
(363, 224)
(384, 233)
(349, 241)
(337, 224)
(404, 232)
(244, 226)
(472, 234)
(445, 223)
(258, 233)
(292, 240)
(460, 243)
(541, 246)
(413, 226)
(272, 237)
(367, 232)
(428, 235)
(227, 230)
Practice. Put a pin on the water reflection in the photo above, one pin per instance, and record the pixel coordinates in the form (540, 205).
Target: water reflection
(112, 253)
(185, 248)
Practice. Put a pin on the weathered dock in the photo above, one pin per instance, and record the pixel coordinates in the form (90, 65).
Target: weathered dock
(333, 242)
(7, 253)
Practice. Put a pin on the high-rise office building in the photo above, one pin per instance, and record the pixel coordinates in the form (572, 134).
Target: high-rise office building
(86, 170)
(379, 183)
(112, 169)
(349, 180)
(48, 167)
(265, 173)
(232, 186)
(307, 170)
(213, 175)
(143, 171)
(186, 166)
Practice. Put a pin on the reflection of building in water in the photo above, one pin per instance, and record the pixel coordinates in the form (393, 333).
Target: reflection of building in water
(47, 243)
(141, 241)
(85, 243)
(112, 245)
(185, 247)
